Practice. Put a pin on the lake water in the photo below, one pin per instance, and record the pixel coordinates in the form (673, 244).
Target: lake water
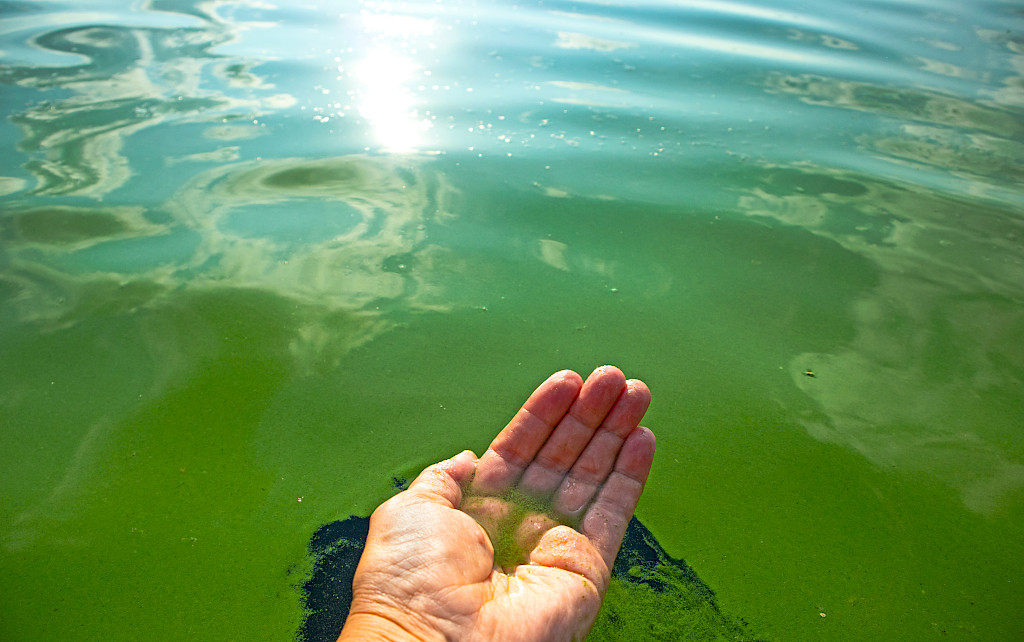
(258, 260)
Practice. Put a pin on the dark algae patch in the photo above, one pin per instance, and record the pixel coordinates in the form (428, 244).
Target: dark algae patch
(335, 549)
(652, 595)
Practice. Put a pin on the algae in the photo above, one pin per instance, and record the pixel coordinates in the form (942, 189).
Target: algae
(513, 521)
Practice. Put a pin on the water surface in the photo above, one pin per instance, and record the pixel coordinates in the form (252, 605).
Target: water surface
(257, 260)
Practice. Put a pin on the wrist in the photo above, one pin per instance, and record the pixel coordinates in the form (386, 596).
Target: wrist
(369, 626)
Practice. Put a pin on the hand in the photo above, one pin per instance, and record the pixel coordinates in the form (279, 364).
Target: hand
(429, 570)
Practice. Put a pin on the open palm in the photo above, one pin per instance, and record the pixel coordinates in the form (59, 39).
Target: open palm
(554, 493)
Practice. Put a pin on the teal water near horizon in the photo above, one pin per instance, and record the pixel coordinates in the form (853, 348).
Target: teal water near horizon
(256, 260)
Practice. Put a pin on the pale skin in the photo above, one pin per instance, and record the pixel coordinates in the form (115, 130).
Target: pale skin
(428, 571)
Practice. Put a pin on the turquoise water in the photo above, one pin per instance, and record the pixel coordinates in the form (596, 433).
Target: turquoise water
(256, 260)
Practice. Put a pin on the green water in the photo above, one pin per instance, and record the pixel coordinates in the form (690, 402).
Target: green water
(255, 263)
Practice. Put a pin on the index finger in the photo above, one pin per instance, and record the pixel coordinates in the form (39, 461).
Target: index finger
(518, 443)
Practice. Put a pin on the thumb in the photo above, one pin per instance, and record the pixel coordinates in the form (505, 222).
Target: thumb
(443, 482)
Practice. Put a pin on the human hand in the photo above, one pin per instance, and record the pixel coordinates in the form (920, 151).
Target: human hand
(429, 570)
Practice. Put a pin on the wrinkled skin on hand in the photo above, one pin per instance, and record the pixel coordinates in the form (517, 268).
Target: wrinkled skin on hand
(554, 493)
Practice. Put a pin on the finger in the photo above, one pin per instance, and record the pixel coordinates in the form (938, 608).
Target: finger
(565, 548)
(598, 458)
(517, 444)
(489, 512)
(598, 396)
(607, 517)
(530, 531)
(443, 482)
